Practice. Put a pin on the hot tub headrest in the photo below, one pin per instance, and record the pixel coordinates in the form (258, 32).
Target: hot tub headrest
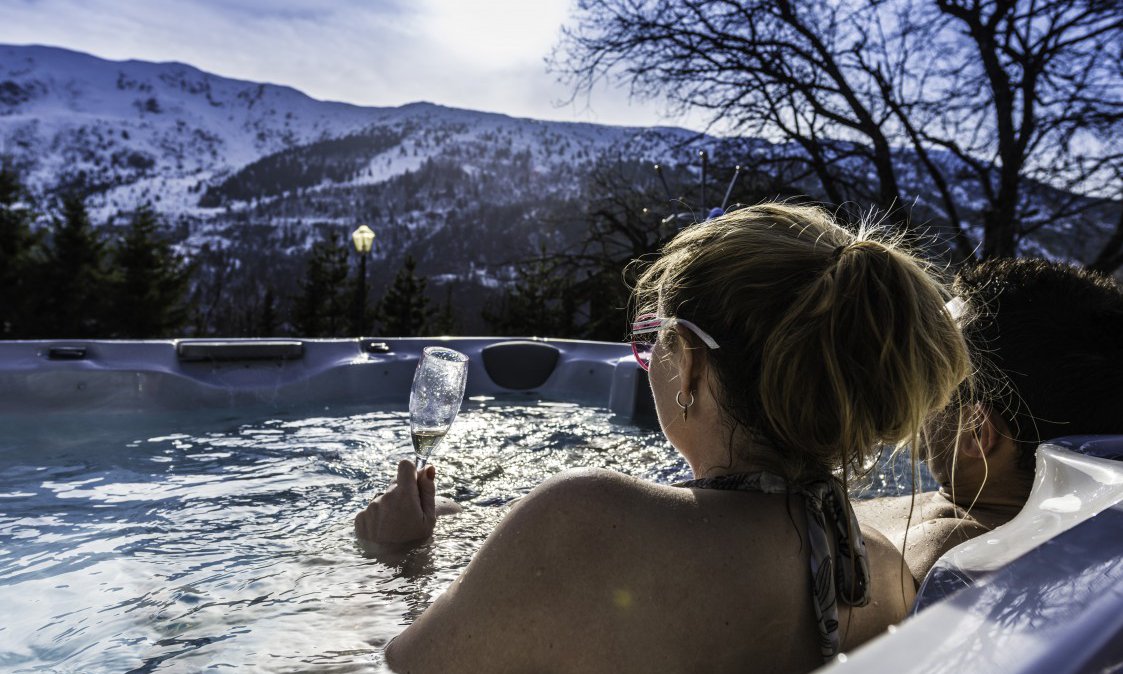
(520, 365)
(1102, 446)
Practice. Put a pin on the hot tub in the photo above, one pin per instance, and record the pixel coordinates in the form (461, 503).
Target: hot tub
(121, 377)
(183, 505)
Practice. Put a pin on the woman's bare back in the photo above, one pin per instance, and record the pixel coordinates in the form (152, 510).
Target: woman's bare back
(644, 578)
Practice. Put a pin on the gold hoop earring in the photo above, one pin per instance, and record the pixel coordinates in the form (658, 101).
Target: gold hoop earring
(678, 401)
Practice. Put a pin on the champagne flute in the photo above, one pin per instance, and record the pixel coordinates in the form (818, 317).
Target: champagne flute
(438, 390)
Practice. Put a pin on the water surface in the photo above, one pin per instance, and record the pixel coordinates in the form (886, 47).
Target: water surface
(228, 544)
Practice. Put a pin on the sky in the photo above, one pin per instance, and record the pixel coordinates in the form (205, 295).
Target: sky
(476, 54)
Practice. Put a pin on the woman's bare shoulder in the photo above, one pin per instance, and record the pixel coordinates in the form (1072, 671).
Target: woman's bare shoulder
(547, 561)
(592, 506)
(591, 488)
(892, 591)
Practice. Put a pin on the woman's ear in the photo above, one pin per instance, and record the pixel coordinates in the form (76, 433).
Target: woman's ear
(691, 361)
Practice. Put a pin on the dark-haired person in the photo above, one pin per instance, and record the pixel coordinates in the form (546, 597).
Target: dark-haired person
(1047, 342)
(781, 349)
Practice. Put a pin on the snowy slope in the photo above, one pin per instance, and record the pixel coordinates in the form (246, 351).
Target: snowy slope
(128, 132)
(135, 129)
(218, 154)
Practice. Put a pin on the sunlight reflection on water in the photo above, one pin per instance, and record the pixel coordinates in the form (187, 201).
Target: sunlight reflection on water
(230, 544)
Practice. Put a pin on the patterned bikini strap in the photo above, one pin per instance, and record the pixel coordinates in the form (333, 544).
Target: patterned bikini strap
(826, 505)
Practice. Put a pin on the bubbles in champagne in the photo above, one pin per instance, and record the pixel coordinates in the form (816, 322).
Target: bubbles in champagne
(425, 440)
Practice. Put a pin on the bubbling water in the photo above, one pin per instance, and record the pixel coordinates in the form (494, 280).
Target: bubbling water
(231, 544)
(234, 545)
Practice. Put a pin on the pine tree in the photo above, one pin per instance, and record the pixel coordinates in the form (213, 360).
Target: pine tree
(444, 323)
(404, 309)
(20, 260)
(150, 282)
(539, 302)
(75, 277)
(267, 320)
(321, 308)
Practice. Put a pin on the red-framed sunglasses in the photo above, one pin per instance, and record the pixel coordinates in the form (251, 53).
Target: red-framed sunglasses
(646, 328)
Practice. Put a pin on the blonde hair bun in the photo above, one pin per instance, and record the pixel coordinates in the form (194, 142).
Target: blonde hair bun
(833, 341)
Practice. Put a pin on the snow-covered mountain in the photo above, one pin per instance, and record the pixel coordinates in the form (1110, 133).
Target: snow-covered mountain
(133, 131)
(250, 173)
(257, 171)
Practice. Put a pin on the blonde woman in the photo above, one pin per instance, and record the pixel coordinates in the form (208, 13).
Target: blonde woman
(781, 349)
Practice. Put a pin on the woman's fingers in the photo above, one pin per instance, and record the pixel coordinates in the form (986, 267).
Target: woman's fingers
(366, 522)
(427, 491)
(405, 512)
(407, 476)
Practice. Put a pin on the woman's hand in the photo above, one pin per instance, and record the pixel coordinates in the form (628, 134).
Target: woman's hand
(407, 511)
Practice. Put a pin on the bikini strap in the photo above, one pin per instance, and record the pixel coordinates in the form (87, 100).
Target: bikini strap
(845, 578)
(826, 504)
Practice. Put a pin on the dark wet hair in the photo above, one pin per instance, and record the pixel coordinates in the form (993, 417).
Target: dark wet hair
(1047, 339)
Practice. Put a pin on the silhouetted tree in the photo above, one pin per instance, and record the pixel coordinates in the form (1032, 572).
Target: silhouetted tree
(76, 282)
(150, 282)
(1026, 95)
(267, 319)
(538, 301)
(995, 100)
(773, 69)
(321, 308)
(444, 322)
(627, 218)
(404, 310)
(210, 293)
(20, 259)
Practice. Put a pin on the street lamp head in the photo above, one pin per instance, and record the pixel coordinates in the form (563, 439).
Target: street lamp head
(363, 238)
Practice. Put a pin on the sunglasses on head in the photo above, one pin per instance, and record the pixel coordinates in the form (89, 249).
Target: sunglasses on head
(646, 328)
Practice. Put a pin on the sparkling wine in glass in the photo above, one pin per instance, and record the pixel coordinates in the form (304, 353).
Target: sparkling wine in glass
(438, 390)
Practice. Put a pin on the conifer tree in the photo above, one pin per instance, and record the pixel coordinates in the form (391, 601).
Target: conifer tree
(404, 309)
(76, 281)
(321, 308)
(267, 320)
(444, 322)
(20, 260)
(150, 282)
(539, 302)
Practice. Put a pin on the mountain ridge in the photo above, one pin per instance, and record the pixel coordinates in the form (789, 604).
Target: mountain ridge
(57, 103)
(251, 174)
(248, 171)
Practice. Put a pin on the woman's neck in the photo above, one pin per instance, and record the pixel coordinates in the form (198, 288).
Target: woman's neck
(739, 452)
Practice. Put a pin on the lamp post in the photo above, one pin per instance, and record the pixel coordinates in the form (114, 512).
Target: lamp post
(363, 238)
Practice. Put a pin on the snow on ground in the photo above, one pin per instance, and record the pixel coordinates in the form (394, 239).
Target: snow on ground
(161, 132)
